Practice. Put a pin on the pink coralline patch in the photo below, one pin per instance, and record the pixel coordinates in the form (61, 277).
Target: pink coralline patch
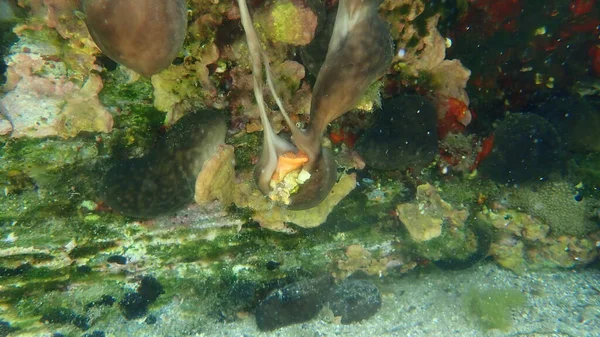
(56, 14)
(41, 101)
(21, 73)
(57, 9)
(56, 22)
(83, 111)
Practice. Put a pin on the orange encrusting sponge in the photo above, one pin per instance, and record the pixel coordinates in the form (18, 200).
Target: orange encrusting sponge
(288, 162)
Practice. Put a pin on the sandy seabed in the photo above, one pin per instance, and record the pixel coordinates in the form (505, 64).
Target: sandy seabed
(428, 303)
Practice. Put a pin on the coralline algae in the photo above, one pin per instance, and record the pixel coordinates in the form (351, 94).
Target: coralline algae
(41, 100)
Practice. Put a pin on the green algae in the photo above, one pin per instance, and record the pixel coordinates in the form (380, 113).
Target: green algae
(137, 122)
(247, 149)
(90, 249)
(120, 90)
(458, 190)
(287, 25)
(72, 296)
(30, 154)
(49, 177)
(456, 244)
(587, 168)
(369, 203)
(491, 308)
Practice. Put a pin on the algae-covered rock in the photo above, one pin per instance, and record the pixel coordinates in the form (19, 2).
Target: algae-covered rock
(439, 230)
(46, 178)
(450, 81)
(559, 204)
(355, 300)
(563, 252)
(424, 218)
(509, 253)
(421, 52)
(359, 259)
(524, 242)
(422, 227)
(84, 112)
(516, 223)
(295, 303)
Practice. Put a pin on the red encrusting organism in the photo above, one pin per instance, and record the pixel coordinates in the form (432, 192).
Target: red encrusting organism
(456, 118)
(495, 14)
(341, 136)
(486, 148)
(594, 54)
(581, 7)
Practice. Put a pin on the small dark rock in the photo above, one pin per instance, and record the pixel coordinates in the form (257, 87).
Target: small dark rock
(295, 303)
(5, 329)
(106, 62)
(240, 294)
(150, 289)
(151, 319)
(57, 334)
(22, 269)
(96, 333)
(484, 241)
(106, 300)
(272, 265)
(404, 135)
(83, 269)
(66, 316)
(118, 259)
(359, 275)
(355, 300)
(134, 306)
(177, 61)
